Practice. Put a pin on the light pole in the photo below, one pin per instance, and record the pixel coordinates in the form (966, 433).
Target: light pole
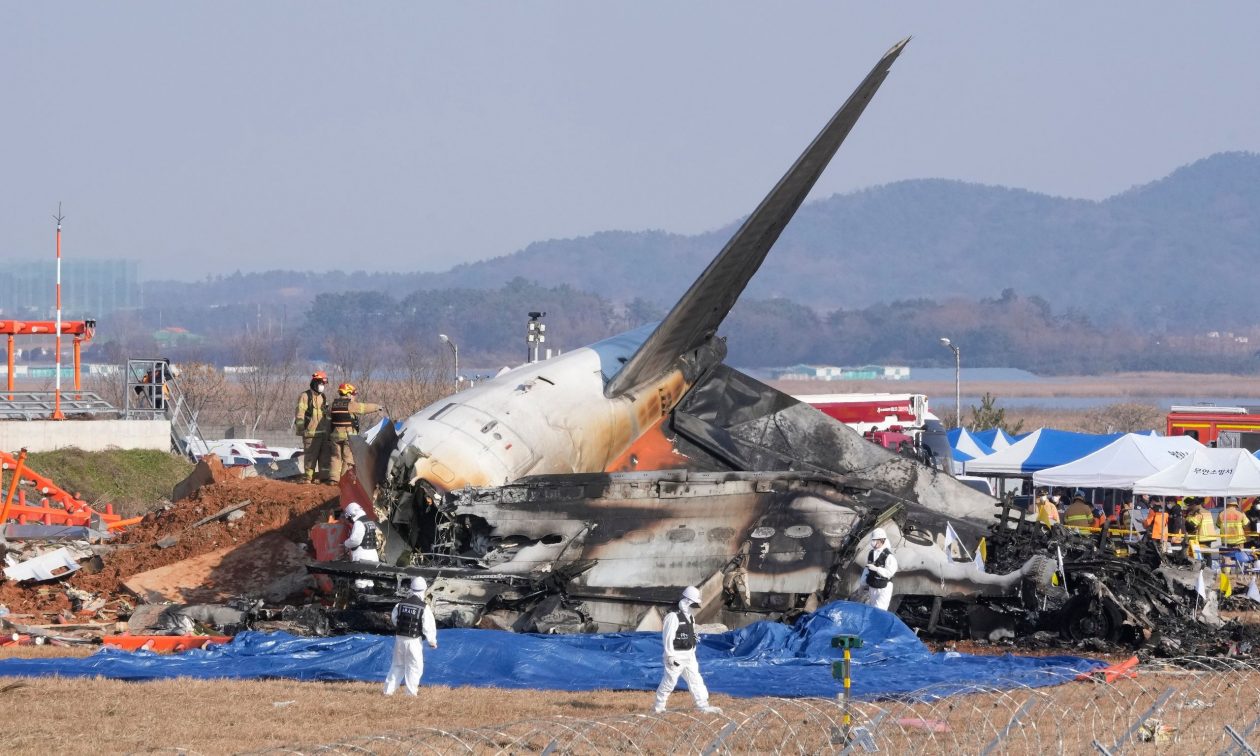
(535, 334)
(455, 349)
(957, 380)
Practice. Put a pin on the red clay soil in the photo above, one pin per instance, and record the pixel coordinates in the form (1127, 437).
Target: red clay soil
(289, 509)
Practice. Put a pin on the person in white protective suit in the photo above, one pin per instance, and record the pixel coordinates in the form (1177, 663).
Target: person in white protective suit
(679, 638)
(364, 540)
(413, 620)
(881, 565)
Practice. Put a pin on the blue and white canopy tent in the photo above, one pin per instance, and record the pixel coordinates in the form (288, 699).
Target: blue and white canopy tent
(995, 438)
(1039, 450)
(966, 447)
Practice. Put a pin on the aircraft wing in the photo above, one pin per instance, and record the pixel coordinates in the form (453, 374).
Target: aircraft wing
(696, 317)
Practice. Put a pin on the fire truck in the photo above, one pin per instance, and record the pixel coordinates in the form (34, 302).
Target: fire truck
(1226, 427)
(899, 422)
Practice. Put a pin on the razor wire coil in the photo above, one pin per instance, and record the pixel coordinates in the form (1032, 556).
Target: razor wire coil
(1181, 707)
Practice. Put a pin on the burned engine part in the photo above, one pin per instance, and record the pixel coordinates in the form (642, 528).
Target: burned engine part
(462, 597)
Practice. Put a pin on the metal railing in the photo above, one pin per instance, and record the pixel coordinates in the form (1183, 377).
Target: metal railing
(39, 405)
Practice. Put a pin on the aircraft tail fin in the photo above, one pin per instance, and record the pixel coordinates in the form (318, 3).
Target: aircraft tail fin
(698, 314)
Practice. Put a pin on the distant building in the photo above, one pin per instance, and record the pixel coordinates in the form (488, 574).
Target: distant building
(833, 373)
(173, 336)
(89, 288)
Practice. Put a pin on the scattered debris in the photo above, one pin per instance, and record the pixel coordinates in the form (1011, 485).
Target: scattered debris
(1155, 731)
(49, 566)
(231, 509)
(37, 532)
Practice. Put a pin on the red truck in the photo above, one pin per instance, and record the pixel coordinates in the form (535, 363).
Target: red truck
(899, 422)
(1228, 427)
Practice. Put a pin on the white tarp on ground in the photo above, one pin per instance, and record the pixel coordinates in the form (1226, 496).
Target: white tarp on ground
(1121, 463)
(1206, 472)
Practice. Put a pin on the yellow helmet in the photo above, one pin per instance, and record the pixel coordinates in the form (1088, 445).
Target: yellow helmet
(346, 389)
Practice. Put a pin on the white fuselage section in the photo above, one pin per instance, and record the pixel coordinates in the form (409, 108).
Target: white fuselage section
(540, 418)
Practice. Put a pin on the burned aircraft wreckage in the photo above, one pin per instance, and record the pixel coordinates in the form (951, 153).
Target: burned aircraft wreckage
(583, 492)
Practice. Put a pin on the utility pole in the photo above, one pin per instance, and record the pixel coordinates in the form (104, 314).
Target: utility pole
(57, 399)
(454, 348)
(957, 380)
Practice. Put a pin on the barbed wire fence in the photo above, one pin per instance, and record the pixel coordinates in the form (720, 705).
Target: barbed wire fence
(1197, 705)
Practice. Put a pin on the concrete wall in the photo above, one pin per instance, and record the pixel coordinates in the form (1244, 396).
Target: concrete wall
(89, 435)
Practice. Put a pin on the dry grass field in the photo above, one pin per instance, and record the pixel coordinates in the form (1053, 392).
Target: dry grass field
(72, 716)
(1188, 708)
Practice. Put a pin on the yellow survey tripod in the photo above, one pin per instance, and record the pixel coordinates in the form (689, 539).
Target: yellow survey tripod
(841, 671)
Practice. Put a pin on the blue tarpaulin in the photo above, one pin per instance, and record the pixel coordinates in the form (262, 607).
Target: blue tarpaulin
(763, 659)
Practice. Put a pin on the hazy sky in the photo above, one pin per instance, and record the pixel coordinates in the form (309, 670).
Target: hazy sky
(412, 136)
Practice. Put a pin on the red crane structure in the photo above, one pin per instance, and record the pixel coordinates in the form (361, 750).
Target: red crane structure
(81, 330)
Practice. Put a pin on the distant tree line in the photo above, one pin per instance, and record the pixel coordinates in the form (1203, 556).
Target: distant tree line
(366, 333)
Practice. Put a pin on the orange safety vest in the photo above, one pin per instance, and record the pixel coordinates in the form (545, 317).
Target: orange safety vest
(1233, 526)
(1156, 524)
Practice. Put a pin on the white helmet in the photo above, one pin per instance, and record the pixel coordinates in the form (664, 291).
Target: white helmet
(419, 585)
(692, 594)
(354, 511)
(878, 534)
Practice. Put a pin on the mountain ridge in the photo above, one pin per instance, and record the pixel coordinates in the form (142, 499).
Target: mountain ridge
(1181, 237)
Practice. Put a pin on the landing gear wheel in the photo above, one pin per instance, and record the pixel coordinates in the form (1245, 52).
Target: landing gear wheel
(1089, 618)
(1042, 572)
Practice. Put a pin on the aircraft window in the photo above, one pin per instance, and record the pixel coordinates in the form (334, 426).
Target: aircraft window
(718, 535)
(762, 532)
(798, 531)
(682, 535)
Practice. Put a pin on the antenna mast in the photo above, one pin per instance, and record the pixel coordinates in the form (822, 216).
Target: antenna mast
(57, 400)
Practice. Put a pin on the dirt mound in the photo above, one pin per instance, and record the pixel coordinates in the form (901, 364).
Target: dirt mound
(286, 509)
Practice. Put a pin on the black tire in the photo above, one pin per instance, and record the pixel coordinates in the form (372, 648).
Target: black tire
(1088, 618)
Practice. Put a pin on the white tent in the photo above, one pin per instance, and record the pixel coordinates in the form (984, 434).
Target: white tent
(1206, 472)
(1044, 447)
(1121, 463)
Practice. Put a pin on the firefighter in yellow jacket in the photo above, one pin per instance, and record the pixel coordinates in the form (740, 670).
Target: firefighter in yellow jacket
(1233, 524)
(1079, 514)
(312, 425)
(1204, 527)
(343, 417)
